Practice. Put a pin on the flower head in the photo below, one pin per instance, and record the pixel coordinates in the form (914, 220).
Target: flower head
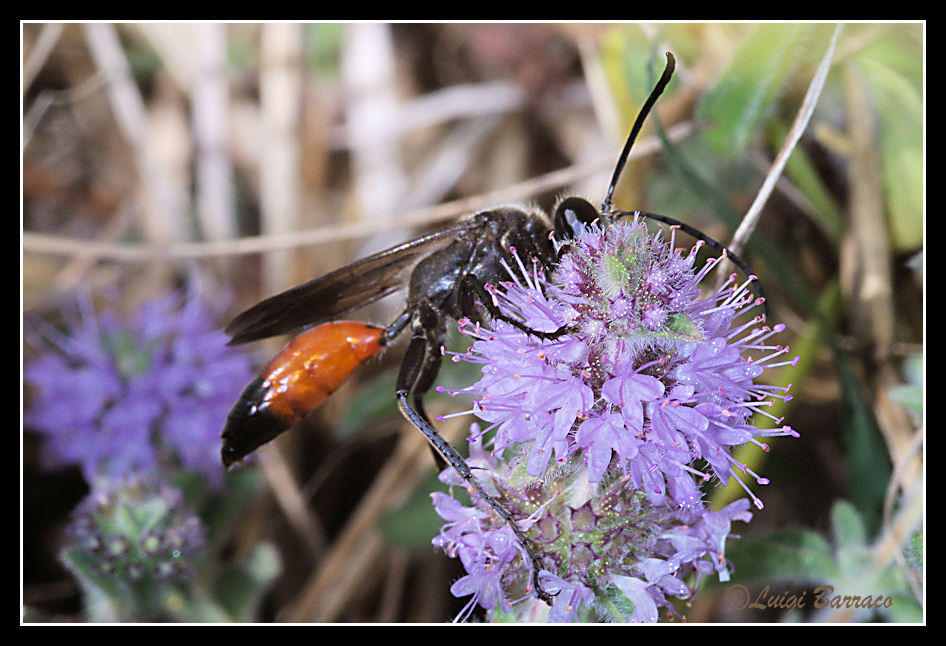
(117, 396)
(613, 426)
(132, 529)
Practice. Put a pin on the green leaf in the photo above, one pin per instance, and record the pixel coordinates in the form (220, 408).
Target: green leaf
(866, 459)
(105, 599)
(801, 169)
(905, 609)
(220, 511)
(748, 88)
(188, 603)
(900, 114)
(323, 44)
(789, 555)
(847, 524)
(625, 54)
(239, 589)
(416, 522)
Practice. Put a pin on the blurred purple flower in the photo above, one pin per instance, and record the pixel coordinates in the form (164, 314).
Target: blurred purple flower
(609, 421)
(117, 397)
(134, 528)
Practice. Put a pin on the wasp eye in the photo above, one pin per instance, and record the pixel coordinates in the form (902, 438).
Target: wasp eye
(570, 212)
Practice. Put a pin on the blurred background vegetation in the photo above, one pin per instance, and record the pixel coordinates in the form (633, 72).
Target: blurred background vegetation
(264, 155)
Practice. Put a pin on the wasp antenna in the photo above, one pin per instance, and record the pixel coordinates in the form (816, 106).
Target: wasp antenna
(638, 124)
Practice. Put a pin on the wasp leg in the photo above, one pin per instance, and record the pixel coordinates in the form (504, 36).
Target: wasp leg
(419, 370)
(431, 368)
(472, 289)
(424, 380)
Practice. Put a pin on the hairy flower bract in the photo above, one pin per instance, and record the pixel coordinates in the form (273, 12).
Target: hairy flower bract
(134, 529)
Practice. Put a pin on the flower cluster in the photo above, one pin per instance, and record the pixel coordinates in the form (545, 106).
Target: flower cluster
(612, 427)
(117, 397)
(133, 529)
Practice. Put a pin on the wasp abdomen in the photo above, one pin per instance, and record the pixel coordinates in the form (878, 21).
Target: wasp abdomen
(295, 382)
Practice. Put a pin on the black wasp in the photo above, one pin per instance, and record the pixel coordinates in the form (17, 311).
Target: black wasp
(446, 274)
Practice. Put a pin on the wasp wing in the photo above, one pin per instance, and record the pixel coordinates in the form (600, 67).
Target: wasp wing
(343, 290)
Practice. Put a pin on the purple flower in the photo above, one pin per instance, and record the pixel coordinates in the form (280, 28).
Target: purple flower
(118, 397)
(609, 421)
(570, 596)
(485, 551)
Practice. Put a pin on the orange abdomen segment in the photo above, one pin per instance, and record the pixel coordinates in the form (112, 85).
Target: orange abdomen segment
(315, 364)
(295, 382)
